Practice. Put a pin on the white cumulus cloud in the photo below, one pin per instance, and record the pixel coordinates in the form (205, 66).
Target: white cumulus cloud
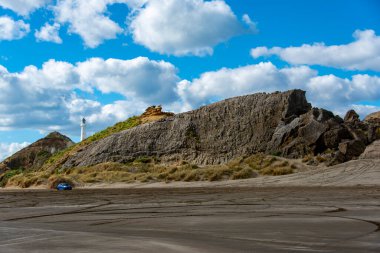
(49, 33)
(46, 98)
(149, 81)
(11, 29)
(186, 27)
(226, 82)
(326, 91)
(23, 7)
(88, 19)
(362, 54)
(56, 95)
(8, 149)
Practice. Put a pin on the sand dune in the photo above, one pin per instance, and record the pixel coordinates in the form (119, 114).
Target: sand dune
(364, 172)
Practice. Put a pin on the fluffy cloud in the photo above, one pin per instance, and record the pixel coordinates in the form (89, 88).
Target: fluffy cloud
(34, 97)
(117, 111)
(11, 29)
(265, 77)
(88, 19)
(170, 27)
(45, 98)
(186, 27)
(362, 110)
(7, 150)
(49, 33)
(224, 83)
(251, 24)
(333, 91)
(23, 7)
(362, 54)
(149, 81)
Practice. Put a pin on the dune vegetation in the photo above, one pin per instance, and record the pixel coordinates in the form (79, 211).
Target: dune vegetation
(149, 169)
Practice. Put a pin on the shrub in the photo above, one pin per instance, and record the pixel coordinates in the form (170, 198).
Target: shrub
(276, 153)
(8, 175)
(320, 159)
(277, 171)
(378, 133)
(215, 176)
(243, 174)
(143, 159)
(268, 161)
(283, 164)
(306, 158)
(192, 176)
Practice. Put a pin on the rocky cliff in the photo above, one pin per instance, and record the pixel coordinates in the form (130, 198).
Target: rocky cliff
(282, 123)
(35, 155)
(373, 118)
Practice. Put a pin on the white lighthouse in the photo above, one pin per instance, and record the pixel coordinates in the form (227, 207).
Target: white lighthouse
(83, 129)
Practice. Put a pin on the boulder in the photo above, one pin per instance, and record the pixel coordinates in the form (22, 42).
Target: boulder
(333, 137)
(310, 133)
(373, 118)
(351, 116)
(372, 151)
(352, 149)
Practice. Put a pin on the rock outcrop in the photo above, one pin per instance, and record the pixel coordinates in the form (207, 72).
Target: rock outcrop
(310, 133)
(351, 116)
(154, 113)
(282, 123)
(37, 153)
(373, 118)
(210, 135)
(372, 151)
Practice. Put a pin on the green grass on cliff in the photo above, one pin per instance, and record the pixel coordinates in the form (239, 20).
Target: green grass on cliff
(118, 127)
(60, 157)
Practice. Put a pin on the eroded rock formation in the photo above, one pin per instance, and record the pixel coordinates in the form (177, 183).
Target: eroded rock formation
(210, 135)
(154, 113)
(37, 153)
(281, 123)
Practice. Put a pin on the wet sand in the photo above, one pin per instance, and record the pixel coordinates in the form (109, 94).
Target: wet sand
(232, 219)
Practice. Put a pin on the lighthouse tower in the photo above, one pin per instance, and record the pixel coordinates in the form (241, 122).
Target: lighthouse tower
(83, 129)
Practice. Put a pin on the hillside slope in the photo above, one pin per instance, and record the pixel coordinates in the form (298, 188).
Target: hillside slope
(36, 154)
(240, 137)
(210, 135)
(277, 123)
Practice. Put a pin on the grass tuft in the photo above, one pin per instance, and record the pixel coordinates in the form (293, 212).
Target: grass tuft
(8, 175)
(148, 169)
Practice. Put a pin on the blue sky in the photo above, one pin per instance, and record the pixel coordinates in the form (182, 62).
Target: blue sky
(110, 59)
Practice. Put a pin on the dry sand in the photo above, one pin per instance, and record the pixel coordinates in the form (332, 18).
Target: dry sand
(188, 220)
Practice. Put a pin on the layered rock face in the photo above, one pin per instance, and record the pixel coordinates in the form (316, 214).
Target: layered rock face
(282, 123)
(210, 135)
(37, 153)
